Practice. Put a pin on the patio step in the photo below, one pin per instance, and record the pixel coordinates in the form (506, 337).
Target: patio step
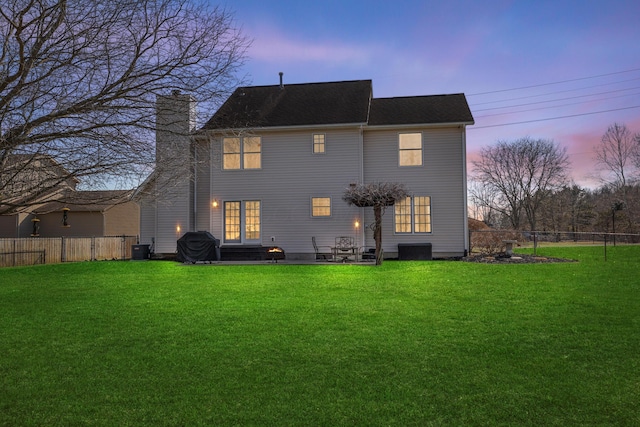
(243, 253)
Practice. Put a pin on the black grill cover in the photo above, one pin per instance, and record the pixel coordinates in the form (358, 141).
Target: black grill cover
(198, 246)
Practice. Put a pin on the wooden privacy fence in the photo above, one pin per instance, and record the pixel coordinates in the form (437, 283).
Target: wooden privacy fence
(52, 250)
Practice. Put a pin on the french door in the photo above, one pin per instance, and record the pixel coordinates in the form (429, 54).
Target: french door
(242, 221)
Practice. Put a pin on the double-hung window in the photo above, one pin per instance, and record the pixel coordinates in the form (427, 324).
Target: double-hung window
(410, 149)
(318, 143)
(413, 215)
(320, 206)
(242, 221)
(242, 152)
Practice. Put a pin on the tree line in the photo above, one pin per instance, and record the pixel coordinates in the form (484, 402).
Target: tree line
(524, 185)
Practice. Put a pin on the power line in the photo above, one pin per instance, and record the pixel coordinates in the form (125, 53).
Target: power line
(555, 92)
(553, 118)
(554, 83)
(559, 99)
(553, 106)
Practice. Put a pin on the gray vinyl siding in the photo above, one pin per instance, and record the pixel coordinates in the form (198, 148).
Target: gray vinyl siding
(175, 179)
(203, 187)
(147, 220)
(170, 214)
(441, 177)
(290, 176)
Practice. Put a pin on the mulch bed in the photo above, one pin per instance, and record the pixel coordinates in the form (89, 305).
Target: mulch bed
(515, 259)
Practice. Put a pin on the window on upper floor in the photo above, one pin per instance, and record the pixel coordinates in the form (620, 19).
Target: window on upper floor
(413, 215)
(320, 206)
(242, 152)
(318, 143)
(410, 149)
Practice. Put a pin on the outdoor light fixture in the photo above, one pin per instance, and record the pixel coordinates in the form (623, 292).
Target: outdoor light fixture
(214, 203)
(177, 228)
(357, 224)
(65, 217)
(36, 227)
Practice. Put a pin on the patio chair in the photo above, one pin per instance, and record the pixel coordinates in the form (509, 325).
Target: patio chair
(345, 247)
(321, 254)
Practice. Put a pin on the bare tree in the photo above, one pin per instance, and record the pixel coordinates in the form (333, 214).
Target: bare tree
(519, 175)
(379, 196)
(79, 81)
(567, 209)
(617, 156)
(481, 203)
(636, 151)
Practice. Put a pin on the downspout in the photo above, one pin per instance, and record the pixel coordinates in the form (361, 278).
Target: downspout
(464, 185)
(194, 185)
(361, 230)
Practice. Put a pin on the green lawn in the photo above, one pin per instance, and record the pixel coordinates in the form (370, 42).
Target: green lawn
(439, 343)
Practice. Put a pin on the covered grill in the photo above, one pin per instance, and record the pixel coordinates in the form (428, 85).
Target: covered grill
(197, 246)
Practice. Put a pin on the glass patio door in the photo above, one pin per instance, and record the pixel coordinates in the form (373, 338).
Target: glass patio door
(242, 222)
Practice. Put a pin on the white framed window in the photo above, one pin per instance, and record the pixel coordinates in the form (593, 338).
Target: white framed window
(410, 149)
(242, 152)
(318, 143)
(320, 206)
(413, 215)
(242, 221)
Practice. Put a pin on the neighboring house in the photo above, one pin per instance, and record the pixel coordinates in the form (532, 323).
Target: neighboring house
(54, 208)
(271, 165)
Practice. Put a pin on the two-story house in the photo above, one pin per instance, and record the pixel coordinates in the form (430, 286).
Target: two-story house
(270, 168)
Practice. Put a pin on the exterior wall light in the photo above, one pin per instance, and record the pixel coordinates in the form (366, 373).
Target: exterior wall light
(65, 217)
(35, 232)
(214, 203)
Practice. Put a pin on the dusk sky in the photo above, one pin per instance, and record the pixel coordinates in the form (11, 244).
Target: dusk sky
(561, 70)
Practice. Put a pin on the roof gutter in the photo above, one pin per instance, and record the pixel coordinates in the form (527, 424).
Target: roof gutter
(418, 125)
(282, 128)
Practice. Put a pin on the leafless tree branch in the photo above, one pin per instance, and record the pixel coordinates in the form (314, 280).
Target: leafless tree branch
(519, 175)
(79, 81)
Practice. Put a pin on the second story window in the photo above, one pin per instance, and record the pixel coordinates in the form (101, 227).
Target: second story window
(410, 149)
(318, 143)
(242, 152)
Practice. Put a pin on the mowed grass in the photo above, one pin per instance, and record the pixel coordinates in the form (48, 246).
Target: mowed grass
(437, 343)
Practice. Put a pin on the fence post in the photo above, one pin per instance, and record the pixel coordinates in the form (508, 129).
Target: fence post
(63, 250)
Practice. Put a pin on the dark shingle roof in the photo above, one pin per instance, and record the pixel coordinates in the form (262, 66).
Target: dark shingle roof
(87, 201)
(333, 103)
(295, 105)
(433, 109)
